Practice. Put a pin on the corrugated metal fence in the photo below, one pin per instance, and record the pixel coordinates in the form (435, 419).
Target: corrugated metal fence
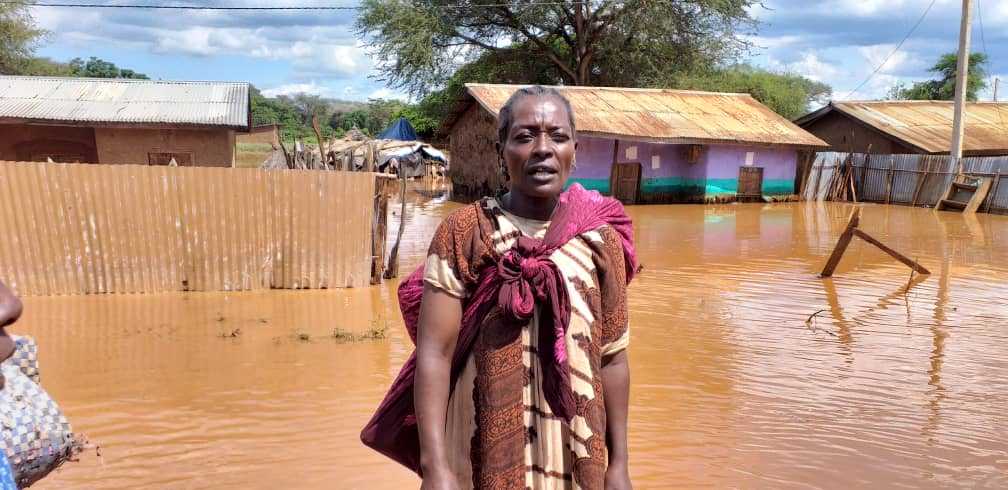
(77, 229)
(918, 180)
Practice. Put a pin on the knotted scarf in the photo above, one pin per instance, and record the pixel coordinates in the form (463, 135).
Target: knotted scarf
(521, 278)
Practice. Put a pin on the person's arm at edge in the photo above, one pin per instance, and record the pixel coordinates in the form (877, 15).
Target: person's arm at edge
(616, 387)
(10, 311)
(437, 334)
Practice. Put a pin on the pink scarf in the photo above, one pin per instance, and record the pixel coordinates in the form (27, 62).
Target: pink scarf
(522, 277)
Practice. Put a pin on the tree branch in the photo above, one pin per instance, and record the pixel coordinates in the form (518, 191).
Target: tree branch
(514, 24)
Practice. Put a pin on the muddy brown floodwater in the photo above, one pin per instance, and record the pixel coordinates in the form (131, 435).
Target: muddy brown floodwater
(886, 387)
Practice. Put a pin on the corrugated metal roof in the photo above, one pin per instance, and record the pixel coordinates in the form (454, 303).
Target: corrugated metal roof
(120, 101)
(661, 115)
(927, 124)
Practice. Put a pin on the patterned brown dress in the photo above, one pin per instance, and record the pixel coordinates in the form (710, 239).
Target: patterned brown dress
(500, 430)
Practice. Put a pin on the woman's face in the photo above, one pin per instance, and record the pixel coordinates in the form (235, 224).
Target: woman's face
(540, 147)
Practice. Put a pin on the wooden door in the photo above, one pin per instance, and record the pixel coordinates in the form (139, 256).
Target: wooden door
(750, 183)
(625, 182)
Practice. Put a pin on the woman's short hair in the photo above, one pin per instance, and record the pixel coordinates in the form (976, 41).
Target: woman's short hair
(506, 116)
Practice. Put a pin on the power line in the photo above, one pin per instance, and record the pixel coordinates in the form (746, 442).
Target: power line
(898, 46)
(285, 8)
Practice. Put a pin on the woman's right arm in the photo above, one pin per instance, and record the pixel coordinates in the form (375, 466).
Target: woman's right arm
(437, 333)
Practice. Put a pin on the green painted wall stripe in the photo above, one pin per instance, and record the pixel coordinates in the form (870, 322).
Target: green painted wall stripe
(687, 187)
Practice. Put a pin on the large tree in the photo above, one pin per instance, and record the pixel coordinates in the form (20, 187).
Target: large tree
(787, 94)
(585, 42)
(18, 37)
(943, 87)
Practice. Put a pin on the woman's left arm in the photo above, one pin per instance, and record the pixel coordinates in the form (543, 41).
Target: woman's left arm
(616, 386)
(615, 370)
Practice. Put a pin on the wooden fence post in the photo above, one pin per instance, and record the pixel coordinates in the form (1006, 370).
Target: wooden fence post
(889, 183)
(920, 184)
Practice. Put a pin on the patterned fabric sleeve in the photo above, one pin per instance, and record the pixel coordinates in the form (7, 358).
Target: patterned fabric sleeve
(455, 251)
(612, 285)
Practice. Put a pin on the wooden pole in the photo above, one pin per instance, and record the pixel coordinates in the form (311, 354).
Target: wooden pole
(896, 255)
(815, 188)
(920, 183)
(993, 192)
(851, 181)
(962, 70)
(382, 191)
(842, 243)
(889, 182)
(393, 267)
(612, 168)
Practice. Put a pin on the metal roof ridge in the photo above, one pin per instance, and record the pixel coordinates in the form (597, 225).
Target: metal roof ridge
(123, 80)
(622, 89)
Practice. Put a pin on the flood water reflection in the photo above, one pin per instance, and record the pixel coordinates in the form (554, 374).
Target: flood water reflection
(890, 385)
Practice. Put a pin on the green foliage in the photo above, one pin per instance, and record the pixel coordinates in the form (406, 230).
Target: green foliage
(943, 87)
(98, 68)
(607, 42)
(787, 94)
(492, 67)
(45, 67)
(294, 113)
(18, 37)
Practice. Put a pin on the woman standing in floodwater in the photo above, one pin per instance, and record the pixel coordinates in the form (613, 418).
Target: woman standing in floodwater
(521, 377)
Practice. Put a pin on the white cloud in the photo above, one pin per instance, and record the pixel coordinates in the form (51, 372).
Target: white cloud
(809, 66)
(385, 93)
(812, 67)
(312, 88)
(876, 55)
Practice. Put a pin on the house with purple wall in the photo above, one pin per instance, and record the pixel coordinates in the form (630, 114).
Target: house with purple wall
(645, 145)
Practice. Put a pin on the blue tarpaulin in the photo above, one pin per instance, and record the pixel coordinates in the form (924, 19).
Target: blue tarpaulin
(400, 130)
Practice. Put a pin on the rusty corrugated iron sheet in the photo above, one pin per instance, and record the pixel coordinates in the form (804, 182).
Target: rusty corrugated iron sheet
(80, 229)
(901, 178)
(119, 101)
(927, 124)
(664, 116)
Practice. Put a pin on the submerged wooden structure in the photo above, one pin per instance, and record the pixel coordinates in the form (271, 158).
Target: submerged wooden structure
(965, 194)
(852, 231)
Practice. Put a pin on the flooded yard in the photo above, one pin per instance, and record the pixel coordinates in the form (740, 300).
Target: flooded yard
(732, 384)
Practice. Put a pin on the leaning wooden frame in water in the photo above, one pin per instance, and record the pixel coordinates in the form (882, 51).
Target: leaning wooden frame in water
(849, 233)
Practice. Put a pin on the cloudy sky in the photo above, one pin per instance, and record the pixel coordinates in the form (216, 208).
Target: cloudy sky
(839, 42)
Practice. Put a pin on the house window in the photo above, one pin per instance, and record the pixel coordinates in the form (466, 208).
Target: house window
(750, 158)
(631, 153)
(182, 159)
(655, 162)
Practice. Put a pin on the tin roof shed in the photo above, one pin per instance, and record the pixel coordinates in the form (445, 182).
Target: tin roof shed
(659, 115)
(924, 126)
(124, 103)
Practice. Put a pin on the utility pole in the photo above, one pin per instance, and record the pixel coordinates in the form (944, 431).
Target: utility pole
(962, 70)
(996, 82)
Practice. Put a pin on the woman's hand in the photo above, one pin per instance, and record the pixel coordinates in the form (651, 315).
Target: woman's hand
(617, 477)
(439, 479)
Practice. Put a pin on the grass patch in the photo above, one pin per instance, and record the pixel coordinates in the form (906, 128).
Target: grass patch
(251, 155)
(376, 332)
